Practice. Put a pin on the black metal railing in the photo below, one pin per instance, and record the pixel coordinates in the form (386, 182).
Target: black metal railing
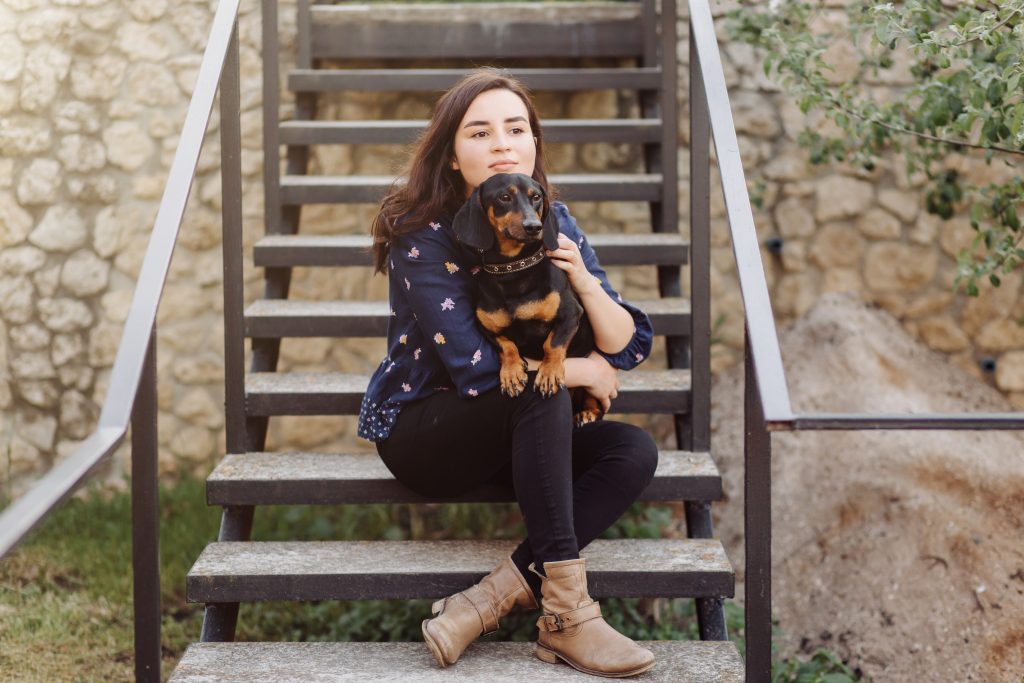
(767, 407)
(131, 395)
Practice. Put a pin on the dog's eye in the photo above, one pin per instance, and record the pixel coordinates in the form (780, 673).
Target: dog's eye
(535, 198)
(505, 197)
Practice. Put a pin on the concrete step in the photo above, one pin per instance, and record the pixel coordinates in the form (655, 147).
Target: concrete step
(400, 570)
(336, 393)
(677, 661)
(404, 132)
(436, 80)
(273, 318)
(596, 187)
(287, 251)
(360, 478)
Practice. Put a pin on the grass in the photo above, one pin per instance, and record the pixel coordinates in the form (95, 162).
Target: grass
(65, 594)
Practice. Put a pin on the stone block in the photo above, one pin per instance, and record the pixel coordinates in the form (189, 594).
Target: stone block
(904, 205)
(1010, 371)
(64, 315)
(21, 260)
(85, 274)
(40, 182)
(879, 224)
(1000, 335)
(837, 245)
(36, 429)
(842, 197)
(942, 334)
(15, 222)
(97, 79)
(81, 154)
(894, 267)
(128, 146)
(793, 218)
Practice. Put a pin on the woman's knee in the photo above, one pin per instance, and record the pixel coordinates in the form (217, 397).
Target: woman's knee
(645, 454)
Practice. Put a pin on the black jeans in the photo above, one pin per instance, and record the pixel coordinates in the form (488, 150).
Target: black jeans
(571, 483)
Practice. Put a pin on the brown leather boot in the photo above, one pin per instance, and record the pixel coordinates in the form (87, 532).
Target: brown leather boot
(462, 618)
(573, 630)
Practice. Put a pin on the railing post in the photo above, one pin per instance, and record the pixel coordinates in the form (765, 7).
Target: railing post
(146, 523)
(231, 247)
(700, 254)
(757, 527)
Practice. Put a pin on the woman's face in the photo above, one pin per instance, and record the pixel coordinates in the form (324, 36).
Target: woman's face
(494, 137)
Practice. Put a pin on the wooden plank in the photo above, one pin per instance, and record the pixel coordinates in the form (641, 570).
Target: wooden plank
(286, 251)
(361, 478)
(678, 661)
(476, 30)
(593, 187)
(395, 570)
(636, 131)
(275, 318)
(438, 80)
(336, 393)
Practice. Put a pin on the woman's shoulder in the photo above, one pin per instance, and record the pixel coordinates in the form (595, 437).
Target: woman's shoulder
(566, 221)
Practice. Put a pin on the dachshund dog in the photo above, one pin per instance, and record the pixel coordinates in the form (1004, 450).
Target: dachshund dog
(525, 304)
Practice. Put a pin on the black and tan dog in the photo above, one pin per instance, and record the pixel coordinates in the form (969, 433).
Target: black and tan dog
(525, 304)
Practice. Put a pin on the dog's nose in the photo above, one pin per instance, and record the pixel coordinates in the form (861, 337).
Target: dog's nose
(532, 226)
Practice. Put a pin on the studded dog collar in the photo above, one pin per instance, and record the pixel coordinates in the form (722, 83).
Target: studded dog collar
(514, 266)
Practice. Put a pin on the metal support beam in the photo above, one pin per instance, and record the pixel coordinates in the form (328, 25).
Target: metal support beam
(146, 523)
(757, 528)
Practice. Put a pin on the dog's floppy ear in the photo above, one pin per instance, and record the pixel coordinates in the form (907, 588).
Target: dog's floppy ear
(550, 226)
(471, 225)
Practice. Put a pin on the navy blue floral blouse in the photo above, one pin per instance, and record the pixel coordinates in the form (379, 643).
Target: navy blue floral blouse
(434, 343)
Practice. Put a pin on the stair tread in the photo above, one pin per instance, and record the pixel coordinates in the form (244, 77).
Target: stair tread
(537, 79)
(324, 570)
(340, 393)
(386, 180)
(269, 478)
(300, 308)
(678, 661)
(344, 382)
(611, 248)
(404, 131)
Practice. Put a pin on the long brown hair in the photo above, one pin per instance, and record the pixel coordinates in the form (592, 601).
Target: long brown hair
(432, 184)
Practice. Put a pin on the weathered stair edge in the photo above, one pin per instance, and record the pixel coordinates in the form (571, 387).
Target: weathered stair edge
(397, 570)
(679, 661)
(361, 478)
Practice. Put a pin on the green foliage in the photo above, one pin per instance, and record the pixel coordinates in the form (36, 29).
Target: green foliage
(967, 60)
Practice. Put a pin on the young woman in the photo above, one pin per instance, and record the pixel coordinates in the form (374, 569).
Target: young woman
(443, 427)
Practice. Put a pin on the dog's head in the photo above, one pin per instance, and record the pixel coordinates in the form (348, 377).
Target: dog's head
(510, 209)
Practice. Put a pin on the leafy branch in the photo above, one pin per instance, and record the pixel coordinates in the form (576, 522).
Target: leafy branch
(964, 99)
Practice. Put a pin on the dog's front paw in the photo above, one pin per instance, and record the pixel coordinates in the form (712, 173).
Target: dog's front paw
(513, 378)
(586, 416)
(550, 376)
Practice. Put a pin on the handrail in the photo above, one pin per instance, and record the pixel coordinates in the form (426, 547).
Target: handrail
(131, 392)
(771, 376)
(28, 510)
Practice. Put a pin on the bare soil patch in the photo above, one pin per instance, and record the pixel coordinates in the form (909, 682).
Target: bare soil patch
(902, 551)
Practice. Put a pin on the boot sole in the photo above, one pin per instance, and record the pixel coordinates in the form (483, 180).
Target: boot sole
(552, 657)
(434, 649)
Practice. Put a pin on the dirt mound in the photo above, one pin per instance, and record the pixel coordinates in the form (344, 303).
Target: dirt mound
(901, 551)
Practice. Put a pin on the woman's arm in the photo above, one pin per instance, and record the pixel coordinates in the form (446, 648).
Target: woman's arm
(612, 324)
(593, 373)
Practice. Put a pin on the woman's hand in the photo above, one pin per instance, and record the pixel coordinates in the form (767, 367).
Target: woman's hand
(568, 258)
(602, 380)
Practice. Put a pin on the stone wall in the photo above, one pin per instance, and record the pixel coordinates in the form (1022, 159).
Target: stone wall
(93, 94)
